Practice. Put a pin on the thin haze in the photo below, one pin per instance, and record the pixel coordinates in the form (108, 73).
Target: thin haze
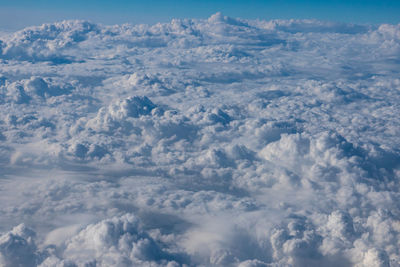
(21, 13)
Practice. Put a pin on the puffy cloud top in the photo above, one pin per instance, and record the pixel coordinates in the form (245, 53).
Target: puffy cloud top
(216, 142)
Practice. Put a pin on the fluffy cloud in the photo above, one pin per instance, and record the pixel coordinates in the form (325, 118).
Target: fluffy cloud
(200, 142)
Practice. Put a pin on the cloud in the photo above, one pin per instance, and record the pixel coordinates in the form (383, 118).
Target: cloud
(200, 142)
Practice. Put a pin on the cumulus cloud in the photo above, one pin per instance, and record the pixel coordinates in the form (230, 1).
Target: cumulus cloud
(200, 142)
(116, 241)
(17, 247)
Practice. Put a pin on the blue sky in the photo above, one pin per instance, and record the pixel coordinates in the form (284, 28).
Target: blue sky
(15, 14)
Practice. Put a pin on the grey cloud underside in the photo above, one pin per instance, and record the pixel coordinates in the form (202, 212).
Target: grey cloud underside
(219, 142)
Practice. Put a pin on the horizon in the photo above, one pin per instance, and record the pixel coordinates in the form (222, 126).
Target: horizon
(19, 14)
(235, 140)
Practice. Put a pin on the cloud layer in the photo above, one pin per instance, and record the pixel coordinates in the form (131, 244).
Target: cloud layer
(219, 142)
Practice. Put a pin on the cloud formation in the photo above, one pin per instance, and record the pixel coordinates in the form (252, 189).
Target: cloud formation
(200, 142)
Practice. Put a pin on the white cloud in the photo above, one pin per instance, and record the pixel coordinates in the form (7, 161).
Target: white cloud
(200, 142)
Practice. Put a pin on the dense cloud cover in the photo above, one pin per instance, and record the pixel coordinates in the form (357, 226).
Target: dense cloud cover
(219, 142)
